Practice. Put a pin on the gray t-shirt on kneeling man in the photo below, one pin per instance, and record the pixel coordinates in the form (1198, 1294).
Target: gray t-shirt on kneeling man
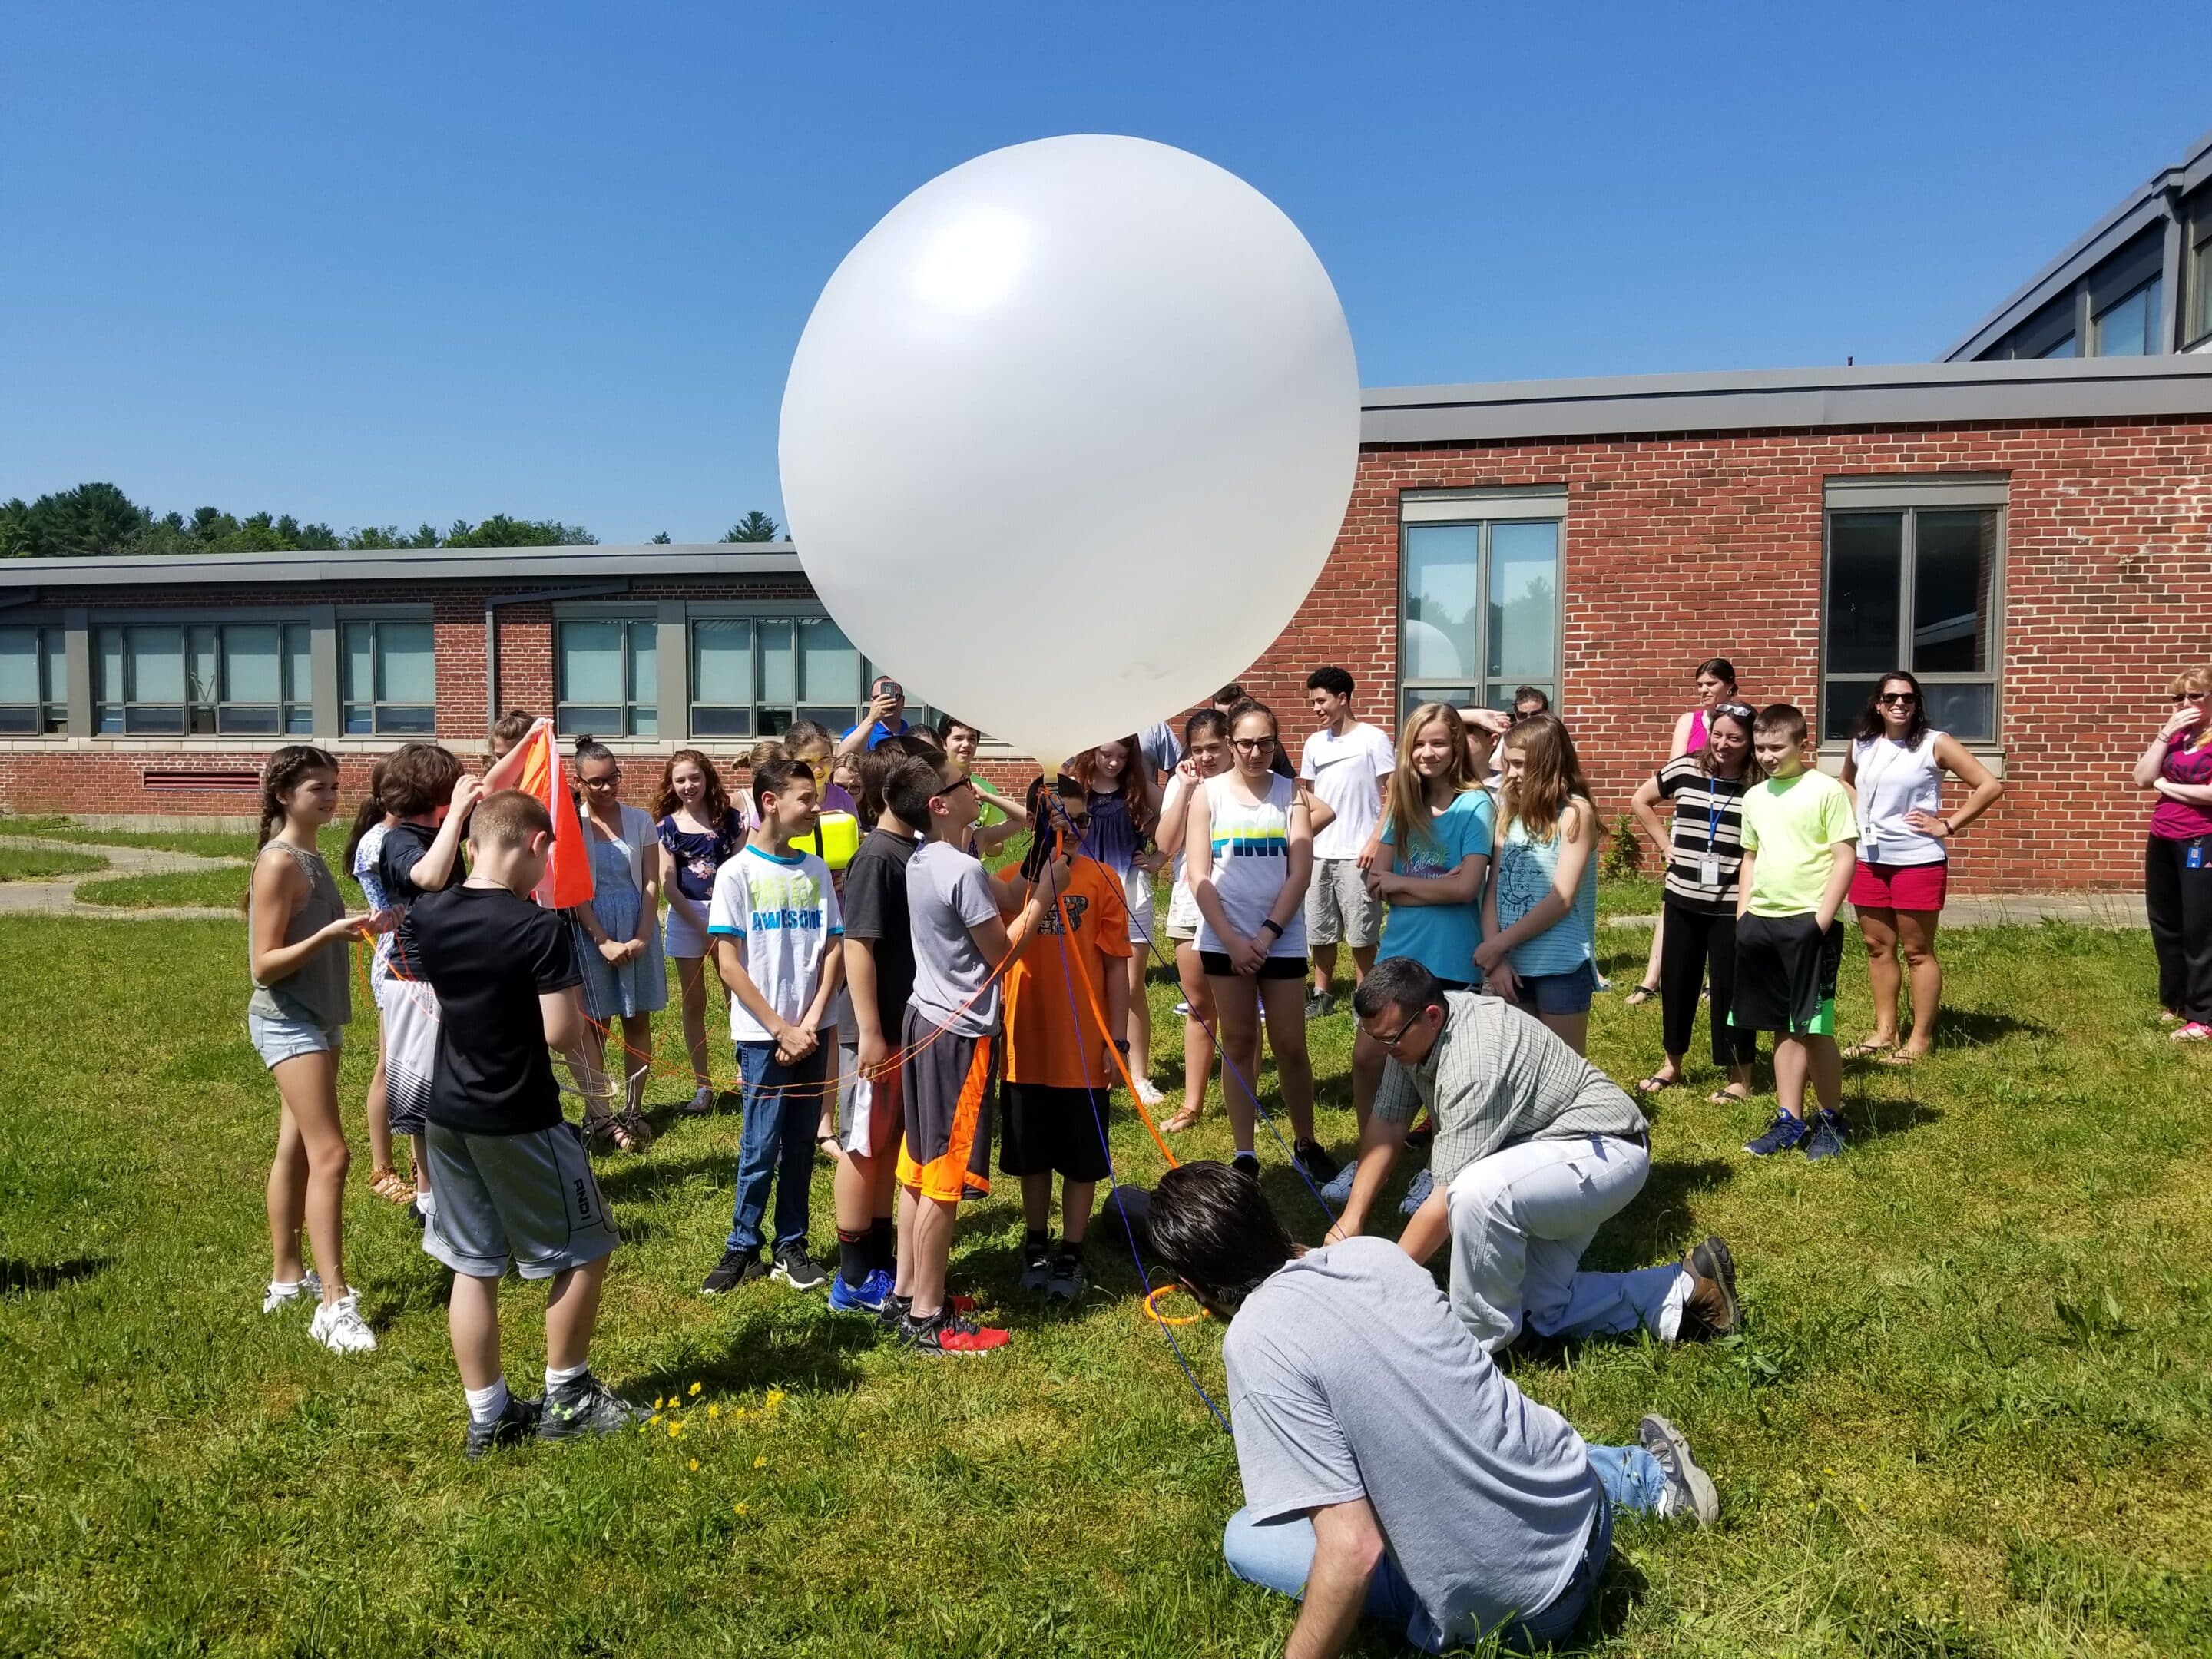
(1349, 1376)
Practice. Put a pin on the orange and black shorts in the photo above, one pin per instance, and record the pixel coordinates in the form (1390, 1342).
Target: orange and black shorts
(950, 1087)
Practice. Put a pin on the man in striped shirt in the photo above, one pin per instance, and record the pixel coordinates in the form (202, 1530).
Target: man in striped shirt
(1535, 1149)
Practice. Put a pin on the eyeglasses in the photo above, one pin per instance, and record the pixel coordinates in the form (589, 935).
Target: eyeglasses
(947, 791)
(1252, 745)
(1898, 697)
(1399, 1035)
(606, 782)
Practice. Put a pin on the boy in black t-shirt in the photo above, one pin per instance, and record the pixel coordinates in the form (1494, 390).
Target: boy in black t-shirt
(510, 1176)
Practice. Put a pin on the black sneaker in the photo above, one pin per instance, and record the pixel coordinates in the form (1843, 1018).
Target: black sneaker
(1069, 1281)
(892, 1315)
(1690, 1494)
(1036, 1272)
(796, 1266)
(1319, 1166)
(583, 1408)
(1246, 1164)
(1825, 1138)
(1711, 1312)
(735, 1268)
(514, 1425)
(1320, 1004)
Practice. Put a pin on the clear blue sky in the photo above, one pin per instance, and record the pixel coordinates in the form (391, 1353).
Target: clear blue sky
(378, 263)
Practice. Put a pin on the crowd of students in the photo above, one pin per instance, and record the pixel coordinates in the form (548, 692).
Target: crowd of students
(894, 1005)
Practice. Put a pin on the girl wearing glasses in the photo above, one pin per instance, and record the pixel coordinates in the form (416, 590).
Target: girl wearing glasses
(2177, 859)
(1896, 767)
(1705, 853)
(618, 943)
(1247, 850)
(1715, 677)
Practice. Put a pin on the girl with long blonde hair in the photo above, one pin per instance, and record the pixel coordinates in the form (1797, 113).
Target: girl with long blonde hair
(1539, 918)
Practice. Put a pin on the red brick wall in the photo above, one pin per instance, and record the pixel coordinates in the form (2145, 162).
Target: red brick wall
(1679, 548)
(1676, 548)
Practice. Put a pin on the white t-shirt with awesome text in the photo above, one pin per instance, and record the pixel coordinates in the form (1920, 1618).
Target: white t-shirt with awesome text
(785, 912)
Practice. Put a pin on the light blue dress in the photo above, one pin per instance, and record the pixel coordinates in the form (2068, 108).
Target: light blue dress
(1522, 877)
(639, 986)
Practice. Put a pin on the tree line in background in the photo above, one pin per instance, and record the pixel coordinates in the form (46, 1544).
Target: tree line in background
(98, 519)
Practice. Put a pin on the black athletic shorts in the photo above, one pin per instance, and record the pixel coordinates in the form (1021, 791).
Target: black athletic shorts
(1785, 975)
(1217, 963)
(1052, 1131)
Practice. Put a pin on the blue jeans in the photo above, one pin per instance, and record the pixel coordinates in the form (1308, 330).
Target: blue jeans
(783, 1107)
(1277, 1555)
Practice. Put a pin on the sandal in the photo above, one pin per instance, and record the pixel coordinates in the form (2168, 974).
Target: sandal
(1900, 1057)
(1641, 995)
(391, 1186)
(631, 1122)
(1864, 1050)
(1186, 1119)
(1655, 1082)
(1727, 1098)
(599, 1131)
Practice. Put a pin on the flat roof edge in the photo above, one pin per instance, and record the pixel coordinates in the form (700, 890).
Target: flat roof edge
(507, 565)
(1871, 395)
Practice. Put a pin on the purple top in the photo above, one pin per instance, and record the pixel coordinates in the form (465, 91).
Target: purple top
(2183, 820)
(1697, 731)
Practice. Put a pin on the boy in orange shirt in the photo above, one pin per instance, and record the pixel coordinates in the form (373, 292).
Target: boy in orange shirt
(1057, 1073)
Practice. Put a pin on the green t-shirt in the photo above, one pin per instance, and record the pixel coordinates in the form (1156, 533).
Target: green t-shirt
(1794, 824)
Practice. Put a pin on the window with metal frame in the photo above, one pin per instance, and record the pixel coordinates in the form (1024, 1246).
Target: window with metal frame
(606, 677)
(388, 667)
(2114, 310)
(2196, 270)
(246, 679)
(1480, 605)
(1917, 587)
(753, 676)
(33, 680)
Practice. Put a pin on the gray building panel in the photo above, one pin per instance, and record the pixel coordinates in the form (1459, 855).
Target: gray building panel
(533, 565)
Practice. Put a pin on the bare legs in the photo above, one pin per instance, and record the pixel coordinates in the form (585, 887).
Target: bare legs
(1796, 1059)
(1241, 1000)
(306, 1180)
(1140, 1014)
(1197, 1036)
(691, 988)
(1901, 946)
(1573, 1030)
(572, 1314)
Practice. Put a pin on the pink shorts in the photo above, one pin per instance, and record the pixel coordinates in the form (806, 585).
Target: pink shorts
(1900, 886)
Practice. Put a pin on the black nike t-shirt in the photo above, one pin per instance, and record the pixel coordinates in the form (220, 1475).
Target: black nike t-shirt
(402, 847)
(489, 956)
(875, 909)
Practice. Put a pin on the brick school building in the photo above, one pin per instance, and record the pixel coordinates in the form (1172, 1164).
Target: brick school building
(2029, 537)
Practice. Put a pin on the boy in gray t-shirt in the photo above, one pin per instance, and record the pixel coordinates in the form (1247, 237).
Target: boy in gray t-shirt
(1447, 1503)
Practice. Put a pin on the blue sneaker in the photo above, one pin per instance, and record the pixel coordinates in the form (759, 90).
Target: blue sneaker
(1825, 1138)
(868, 1298)
(1338, 1191)
(1417, 1192)
(1784, 1132)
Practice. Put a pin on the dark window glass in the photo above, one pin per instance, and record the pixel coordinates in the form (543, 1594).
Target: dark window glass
(1841, 701)
(1954, 564)
(1866, 551)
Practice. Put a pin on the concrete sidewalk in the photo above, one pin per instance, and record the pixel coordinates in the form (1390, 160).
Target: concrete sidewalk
(58, 897)
(2114, 910)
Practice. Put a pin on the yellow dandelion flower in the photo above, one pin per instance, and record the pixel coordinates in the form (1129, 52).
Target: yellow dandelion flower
(712, 1411)
(655, 1418)
(737, 1509)
(774, 1397)
(658, 1402)
(760, 1463)
(694, 1466)
(695, 1388)
(675, 1429)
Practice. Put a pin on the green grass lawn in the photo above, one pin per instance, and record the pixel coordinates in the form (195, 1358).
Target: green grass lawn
(208, 843)
(1968, 1418)
(223, 889)
(43, 864)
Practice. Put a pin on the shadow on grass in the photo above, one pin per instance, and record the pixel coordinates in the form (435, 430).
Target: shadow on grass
(635, 1180)
(21, 1278)
(1659, 1226)
(788, 1347)
(1871, 1118)
(1977, 1028)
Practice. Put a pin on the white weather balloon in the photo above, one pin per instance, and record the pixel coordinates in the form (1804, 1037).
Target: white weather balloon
(1069, 435)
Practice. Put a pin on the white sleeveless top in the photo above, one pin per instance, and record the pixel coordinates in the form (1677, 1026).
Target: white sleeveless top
(1893, 781)
(1251, 862)
(1182, 909)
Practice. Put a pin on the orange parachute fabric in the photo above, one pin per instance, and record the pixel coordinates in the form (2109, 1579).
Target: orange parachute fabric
(568, 871)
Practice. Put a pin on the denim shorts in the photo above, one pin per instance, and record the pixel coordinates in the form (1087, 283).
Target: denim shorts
(1559, 994)
(278, 1040)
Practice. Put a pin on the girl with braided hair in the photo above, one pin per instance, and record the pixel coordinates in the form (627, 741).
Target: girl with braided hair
(296, 931)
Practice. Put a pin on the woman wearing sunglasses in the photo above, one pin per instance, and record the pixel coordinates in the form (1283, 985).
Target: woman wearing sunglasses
(619, 945)
(1248, 851)
(2177, 860)
(1896, 766)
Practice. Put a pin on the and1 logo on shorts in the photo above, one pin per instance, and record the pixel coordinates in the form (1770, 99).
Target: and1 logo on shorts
(784, 912)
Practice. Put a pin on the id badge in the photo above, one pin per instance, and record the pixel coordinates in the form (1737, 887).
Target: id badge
(2195, 857)
(1709, 871)
(1869, 848)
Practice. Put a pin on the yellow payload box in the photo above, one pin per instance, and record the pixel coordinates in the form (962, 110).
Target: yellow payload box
(834, 843)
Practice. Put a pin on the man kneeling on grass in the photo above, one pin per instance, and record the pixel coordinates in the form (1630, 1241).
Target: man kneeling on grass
(1444, 1502)
(510, 1178)
(1535, 1149)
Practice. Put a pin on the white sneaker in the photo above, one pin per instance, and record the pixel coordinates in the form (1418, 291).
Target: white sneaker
(1147, 1095)
(339, 1327)
(284, 1295)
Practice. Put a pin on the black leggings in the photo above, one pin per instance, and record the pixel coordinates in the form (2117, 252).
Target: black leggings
(2179, 903)
(1694, 941)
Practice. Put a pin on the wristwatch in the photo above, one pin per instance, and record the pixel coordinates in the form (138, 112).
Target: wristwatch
(1121, 1045)
(1273, 927)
